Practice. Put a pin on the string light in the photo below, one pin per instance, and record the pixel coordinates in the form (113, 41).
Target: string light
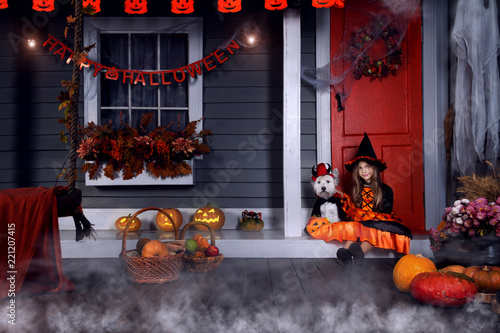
(31, 43)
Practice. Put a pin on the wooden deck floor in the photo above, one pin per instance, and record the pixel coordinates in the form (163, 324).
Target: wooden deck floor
(242, 295)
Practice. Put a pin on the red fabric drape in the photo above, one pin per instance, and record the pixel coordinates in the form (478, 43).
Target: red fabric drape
(28, 216)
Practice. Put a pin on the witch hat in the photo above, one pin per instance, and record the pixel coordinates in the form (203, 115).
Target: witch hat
(366, 152)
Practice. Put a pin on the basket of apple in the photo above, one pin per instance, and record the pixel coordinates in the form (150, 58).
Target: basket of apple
(200, 255)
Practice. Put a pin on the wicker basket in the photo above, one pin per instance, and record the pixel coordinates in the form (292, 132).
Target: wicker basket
(151, 269)
(205, 264)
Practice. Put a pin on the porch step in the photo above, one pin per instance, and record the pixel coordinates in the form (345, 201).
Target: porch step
(232, 243)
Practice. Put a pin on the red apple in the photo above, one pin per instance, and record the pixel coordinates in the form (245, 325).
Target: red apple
(212, 251)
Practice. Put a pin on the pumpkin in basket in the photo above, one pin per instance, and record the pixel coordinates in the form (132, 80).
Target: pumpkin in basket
(164, 223)
(140, 244)
(121, 223)
(487, 278)
(408, 267)
(213, 216)
(154, 248)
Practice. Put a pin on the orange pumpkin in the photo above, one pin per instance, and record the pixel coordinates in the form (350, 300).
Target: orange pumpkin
(408, 267)
(453, 268)
(154, 248)
(314, 223)
(487, 278)
(121, 223)
(140, 244)
(211, 215)
(164, 223)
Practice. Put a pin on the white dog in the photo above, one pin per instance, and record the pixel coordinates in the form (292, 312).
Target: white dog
(328, 203)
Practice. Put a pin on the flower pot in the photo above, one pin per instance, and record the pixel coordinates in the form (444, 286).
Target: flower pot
(478, 252)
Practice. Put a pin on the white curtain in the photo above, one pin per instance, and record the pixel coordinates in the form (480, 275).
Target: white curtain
(475, 41)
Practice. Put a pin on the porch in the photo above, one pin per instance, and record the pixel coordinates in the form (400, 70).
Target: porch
(242, 295)
(272, 242)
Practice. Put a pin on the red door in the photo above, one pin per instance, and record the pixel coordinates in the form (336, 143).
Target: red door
(390, 112)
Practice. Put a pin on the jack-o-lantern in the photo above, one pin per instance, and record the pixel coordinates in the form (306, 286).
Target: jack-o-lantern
(182, 6)
(121, 223)
(314, 223)
(3, 4)
(328, 3)
(229, 6)
(94, 3)
(165, 223)
(275, 4)
(43, 5)
(213, 216)
(136, 6)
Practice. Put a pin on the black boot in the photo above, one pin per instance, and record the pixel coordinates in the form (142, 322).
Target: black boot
(345, 256)
(357, 253)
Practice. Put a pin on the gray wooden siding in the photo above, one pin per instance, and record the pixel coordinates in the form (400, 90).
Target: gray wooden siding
(242, 106)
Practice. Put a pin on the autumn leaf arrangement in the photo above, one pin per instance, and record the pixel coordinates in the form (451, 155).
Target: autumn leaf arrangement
(163, 152)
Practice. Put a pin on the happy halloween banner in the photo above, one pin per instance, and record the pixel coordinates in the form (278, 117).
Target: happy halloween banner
(154, 78)
(179, 6)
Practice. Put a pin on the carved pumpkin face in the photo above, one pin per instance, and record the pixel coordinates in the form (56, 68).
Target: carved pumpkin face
(182, 6)
(275, 4)
(314, 223)
(94, 3)
(121, 223)
(43, 5)
(328, 3)
(210, 215)
(165, 223)
(136, 6)
(3, 4)
(229, 6)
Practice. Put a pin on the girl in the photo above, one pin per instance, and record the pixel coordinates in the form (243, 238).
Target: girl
(371, 222)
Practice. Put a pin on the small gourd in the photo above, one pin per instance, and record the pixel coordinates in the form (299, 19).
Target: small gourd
(251, 221)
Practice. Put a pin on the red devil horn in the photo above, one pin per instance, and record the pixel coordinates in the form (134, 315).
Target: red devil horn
(315, 171)
(328, 168)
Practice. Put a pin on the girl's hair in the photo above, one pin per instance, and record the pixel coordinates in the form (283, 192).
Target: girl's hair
(376, 186)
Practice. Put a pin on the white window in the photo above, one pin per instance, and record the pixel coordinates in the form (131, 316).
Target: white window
(143, 45)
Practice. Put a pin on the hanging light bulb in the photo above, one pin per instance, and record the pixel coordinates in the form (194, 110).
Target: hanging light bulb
(3, 4)
(31, 43)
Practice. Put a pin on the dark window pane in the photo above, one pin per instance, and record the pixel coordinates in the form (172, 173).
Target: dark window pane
(174, 119)
(114, 50)
(146, 96)
(144, 50)
(113, 93)
(116, 119)
(137, 116)
(174, 95)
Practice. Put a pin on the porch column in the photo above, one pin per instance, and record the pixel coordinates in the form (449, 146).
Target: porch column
(291, 123)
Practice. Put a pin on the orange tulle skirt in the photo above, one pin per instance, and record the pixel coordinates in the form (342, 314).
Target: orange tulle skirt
(353, 231)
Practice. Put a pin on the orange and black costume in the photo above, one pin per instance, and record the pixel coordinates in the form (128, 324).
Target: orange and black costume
(381, 229)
